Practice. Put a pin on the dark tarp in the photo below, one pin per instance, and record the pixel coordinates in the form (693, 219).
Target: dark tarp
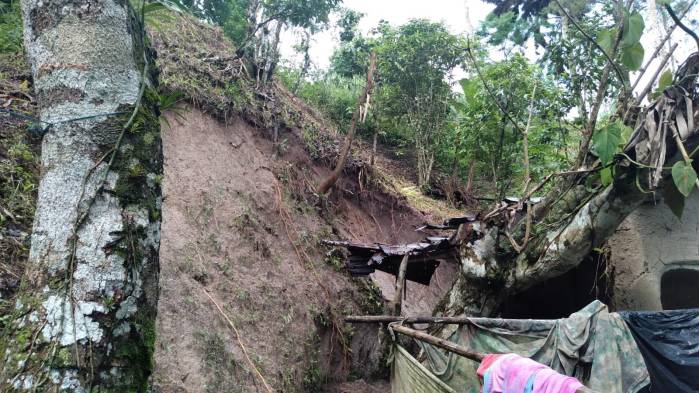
(669, 343)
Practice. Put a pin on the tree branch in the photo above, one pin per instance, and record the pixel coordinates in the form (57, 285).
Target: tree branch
(681, 25)
(594, 42)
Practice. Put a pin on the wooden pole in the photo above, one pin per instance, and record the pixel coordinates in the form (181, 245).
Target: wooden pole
(395, 318)
(460, 320)
(400, 283)
(438, 342)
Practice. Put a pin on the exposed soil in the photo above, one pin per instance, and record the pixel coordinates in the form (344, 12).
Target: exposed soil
(223, 232)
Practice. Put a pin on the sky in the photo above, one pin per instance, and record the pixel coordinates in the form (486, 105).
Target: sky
(452, 12)
(460, 16)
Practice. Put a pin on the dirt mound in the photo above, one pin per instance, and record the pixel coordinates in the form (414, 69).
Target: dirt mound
(240, 222)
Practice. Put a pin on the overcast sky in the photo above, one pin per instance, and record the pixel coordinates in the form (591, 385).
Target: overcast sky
(452, 12)
(461, 16)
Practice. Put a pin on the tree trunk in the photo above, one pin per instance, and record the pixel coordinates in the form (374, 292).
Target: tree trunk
(471, 174)
(306, 61)
(344, 154)
(85, 314)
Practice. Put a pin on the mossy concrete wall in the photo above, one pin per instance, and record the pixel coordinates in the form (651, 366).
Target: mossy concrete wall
(649, 243)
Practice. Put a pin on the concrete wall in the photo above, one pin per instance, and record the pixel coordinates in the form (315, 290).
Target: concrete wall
(650, 242)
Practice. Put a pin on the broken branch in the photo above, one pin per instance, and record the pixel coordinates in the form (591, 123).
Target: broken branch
(357, 116)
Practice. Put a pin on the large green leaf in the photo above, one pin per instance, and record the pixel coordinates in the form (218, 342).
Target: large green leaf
(625, 133)
(606, 176)
(632, 56)
(665, 80)
(470, 87)
(605, 142)
(673, 199)
(684, 177)
(605, 39)
(633, 29)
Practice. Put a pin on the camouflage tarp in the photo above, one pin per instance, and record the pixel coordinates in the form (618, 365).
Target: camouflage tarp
(409, 376)
(592, 345)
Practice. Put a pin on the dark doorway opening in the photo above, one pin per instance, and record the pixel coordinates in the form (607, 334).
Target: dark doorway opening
(679, 289)
(561, 296)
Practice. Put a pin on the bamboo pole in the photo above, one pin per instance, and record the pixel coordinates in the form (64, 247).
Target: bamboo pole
(400, 283)
(438, 342)
(460, 320)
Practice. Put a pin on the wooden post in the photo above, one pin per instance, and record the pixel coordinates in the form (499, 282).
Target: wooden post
(439, 342)
(400, 283)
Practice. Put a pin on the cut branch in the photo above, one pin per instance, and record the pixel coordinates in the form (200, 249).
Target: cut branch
(438, 342)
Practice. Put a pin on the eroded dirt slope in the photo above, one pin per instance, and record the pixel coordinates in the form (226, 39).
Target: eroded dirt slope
(236, 223)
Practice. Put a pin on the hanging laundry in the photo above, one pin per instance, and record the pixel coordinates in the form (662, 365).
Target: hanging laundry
(593, 345)
(512, 373)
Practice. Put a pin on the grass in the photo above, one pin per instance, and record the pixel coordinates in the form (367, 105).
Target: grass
(220, 364)
(440, 209)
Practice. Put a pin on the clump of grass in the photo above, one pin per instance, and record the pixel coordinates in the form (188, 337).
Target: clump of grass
(219, 363)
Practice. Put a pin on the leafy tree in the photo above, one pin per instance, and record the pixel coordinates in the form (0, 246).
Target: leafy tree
(415, 62)
(481, 132)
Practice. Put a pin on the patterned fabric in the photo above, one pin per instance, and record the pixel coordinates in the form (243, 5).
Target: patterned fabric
(409, 376)
(592, 345)
(515, 374)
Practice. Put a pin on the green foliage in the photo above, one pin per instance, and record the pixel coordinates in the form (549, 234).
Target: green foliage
(605, 39)
(684, 177)
(10, 27)
(673, 199)
(231, 15)
(349, 20)
(632, 56)
(481, 132)
(606, 142)
(306, 14)
(607, 176)
(632, 51)
(19, 172)
(664, 82)
(633, 29)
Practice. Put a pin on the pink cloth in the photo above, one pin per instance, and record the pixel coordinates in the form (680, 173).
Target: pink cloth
(510, 373)
(549, 381)
(518, 372)
(498, 372)
(487, 361)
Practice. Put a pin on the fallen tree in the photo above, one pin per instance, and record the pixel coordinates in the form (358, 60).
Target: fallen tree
(580, 212)
(526, 241)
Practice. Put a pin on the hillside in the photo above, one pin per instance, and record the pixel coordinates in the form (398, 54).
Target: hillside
(242, 227)
(241, 222)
